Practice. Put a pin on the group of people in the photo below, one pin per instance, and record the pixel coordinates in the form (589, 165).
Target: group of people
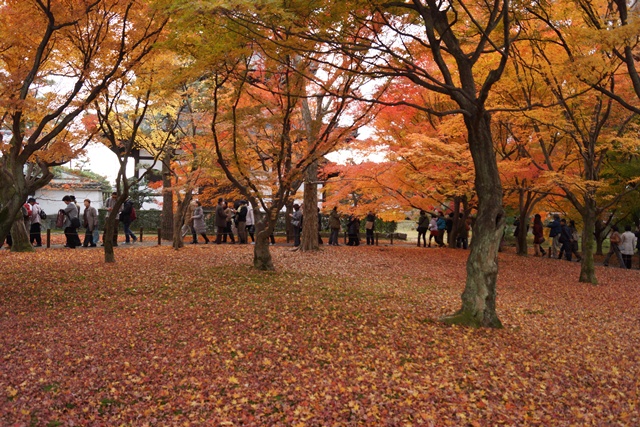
(227, 217)
(71, 220)
(437, 226)
(564, 238)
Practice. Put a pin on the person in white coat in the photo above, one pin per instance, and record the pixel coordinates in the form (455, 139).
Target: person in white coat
(628, 245)
(251, 228)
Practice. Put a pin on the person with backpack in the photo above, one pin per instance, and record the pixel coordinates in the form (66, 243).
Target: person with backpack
(90, 219)
(566, 240)
(35, 231)
(423, 226)
(127, 216)
(296, 224)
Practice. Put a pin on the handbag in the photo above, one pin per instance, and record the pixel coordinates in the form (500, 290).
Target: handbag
(60, 219)
(541, 240)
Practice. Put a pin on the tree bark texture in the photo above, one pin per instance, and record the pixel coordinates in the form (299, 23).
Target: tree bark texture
(264, 223)
(167, 200)
(310, 230)
(587, 266)
(178, 220)
(479, 296)
(20, 237)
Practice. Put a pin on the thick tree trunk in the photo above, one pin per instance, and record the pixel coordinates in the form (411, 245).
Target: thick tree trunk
(309, 240)
(587, 268)
(167, 201)
(479, 297)
(20, 237)
(264, 227)
(453, 235)
(178, 220)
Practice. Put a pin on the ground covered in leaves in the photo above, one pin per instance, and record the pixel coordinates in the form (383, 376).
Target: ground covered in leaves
(344, 337)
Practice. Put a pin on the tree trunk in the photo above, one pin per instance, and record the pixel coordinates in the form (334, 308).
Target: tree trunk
(453, 235)
(264, 227)
(309, 240)
(178, 220)
(599, 234)
(167, 199)
(587, 268)
(20, 236)
(522, 232)
(479, 297)
(109, 228)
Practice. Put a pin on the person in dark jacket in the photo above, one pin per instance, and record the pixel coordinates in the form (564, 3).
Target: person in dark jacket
(125, 218)
(566, 240)
(353, 231)
(221, 221)
(442, 226)
(538, 236)
(423, 226)
(334, 226)
(369, 227)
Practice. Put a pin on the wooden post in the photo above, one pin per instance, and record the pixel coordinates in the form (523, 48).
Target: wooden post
(345, 237)
(377, 236)
(391, 236)
(141, 233)
(159, 236)
(48, 237)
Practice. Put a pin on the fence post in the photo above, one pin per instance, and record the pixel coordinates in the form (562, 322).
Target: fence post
(377, 235)
(391, 236)
(345, 237)
(141, 233)
(48, 237)
(159, 236)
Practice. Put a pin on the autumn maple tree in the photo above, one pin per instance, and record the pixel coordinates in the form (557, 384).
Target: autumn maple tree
(72, 52)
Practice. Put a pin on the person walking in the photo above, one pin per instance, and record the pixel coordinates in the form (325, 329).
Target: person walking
(554, 234)
(250, 225)
(566, 240)
(199, 226)
(90, 221)
(187, 225)
(35, 230)
(127, 217)
(538, 236)
(575, 237)
(423, 227)
(296, 224)
(241, 217)
(334, 226)
(369, 227)
(614, 241)
(627, 246)
(433, 230)
(221, 221)
(228, 230)
(71, 223)
(442, 226)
